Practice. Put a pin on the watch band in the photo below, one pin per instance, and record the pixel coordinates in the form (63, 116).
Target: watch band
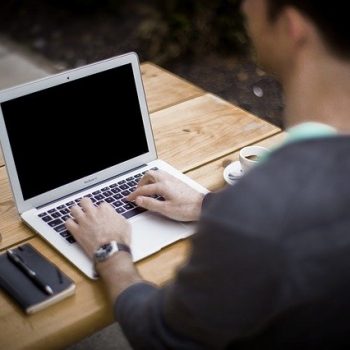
(105, 251)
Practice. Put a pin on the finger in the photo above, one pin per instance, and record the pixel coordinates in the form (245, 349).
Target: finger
(146, 190)
(77, 212)
(87, 205)
(150, 204)
(71, 225)
(150, 176)
(106, 206)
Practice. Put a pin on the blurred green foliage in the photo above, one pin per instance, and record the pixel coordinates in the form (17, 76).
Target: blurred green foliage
(192, 28)
(174, 28)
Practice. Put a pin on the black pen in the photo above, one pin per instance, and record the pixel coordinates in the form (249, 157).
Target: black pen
(29, 272)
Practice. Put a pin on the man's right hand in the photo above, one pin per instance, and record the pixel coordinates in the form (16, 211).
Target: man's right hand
(181, 202)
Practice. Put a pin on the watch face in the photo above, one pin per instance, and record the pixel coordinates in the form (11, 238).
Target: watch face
(107, 250)
(104, 251)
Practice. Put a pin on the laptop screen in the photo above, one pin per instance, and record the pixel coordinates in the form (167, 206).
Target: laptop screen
(75, 129)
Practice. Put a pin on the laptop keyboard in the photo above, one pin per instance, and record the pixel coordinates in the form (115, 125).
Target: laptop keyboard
(113, 194)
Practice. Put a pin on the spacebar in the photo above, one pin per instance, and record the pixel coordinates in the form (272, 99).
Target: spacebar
(133, 212)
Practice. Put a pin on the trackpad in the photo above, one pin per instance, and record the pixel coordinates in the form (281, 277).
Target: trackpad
(151, 232)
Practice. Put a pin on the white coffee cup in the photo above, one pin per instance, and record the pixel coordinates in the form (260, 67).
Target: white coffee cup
(249, 156)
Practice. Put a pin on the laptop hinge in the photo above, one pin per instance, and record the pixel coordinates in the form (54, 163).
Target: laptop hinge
(91, 186)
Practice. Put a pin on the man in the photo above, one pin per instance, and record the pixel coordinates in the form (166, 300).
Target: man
(269, 266)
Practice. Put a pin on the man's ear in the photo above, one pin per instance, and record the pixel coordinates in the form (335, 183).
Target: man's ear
(297, 26)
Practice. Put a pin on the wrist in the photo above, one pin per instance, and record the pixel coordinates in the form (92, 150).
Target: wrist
(105, 251)
(118, 273)
(197, 209)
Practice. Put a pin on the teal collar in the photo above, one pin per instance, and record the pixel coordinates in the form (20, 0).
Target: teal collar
(304, 131)
(309, 130)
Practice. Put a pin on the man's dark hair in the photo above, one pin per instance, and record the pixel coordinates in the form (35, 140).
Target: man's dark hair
(330, 17)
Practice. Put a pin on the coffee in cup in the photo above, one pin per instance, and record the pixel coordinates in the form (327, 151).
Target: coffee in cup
(249, 156)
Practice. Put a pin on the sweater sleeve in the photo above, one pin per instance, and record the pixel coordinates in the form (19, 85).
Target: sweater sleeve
(229, 288)
(139, 311)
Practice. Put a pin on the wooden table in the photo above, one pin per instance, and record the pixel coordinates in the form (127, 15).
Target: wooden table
(197, 132)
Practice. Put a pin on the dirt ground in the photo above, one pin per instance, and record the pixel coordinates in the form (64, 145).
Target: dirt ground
(71, 38)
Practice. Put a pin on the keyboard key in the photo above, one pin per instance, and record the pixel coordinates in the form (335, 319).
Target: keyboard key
(56, 222)
(47, 218)
(65, 211)
(71, 239)
(60, 228)
(107, 193)
(115, 194)
(65, 234)
(128, 206)
(133, 212)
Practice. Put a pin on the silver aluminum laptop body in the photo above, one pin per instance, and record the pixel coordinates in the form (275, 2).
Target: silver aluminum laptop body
(61, 139)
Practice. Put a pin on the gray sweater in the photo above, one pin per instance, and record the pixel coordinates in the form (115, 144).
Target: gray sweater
(270, 264)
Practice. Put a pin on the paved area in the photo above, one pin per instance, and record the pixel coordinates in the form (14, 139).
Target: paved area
(18, 66)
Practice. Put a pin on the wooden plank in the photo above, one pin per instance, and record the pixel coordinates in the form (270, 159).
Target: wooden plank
(164, 89)
(195, 132)
(88, 310)
(60, 324)
(12, 229)
(78, 316)
(211, 175)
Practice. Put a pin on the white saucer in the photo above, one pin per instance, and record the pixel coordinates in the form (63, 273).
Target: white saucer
(233, 172)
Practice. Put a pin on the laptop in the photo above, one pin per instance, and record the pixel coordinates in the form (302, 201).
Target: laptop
(84, 132)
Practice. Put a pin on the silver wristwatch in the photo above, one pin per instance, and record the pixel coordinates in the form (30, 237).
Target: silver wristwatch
(107, 250)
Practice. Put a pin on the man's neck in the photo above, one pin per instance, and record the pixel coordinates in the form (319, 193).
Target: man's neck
(318, 90)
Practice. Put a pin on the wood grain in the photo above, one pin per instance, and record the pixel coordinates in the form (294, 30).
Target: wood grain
(194, 131)
(211, 175)
(203, 129)
(78, 316)
(12, 229)
(164, 89)
(60, 324)
(89, 310)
